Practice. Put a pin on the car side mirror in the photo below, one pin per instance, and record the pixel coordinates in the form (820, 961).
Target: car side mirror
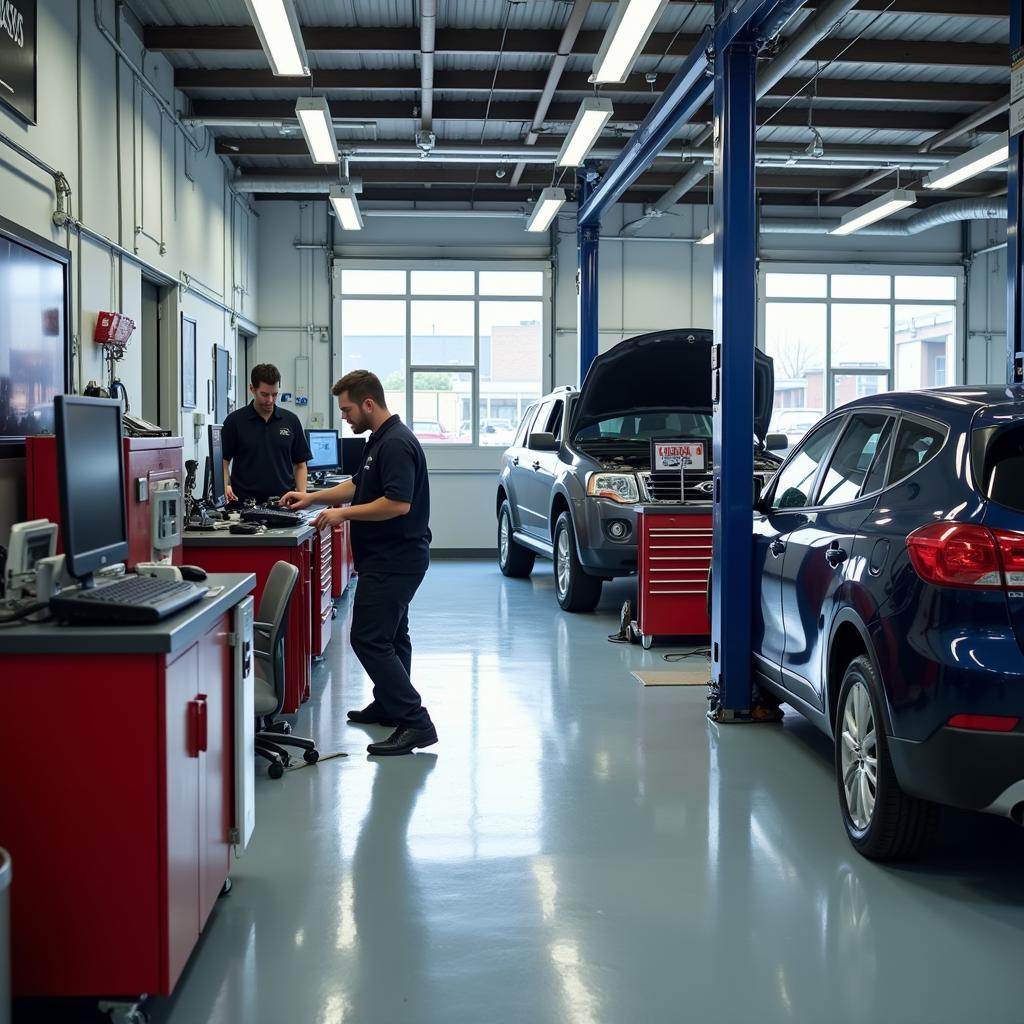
(758, 491)
(543, 442)
(776, 442)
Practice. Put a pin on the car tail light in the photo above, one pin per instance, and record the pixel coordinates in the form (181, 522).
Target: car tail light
(985, 723)
(956, 555)
(1011, 552)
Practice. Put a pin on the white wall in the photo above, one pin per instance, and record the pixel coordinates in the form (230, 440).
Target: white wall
(644, 286)
(128, 167)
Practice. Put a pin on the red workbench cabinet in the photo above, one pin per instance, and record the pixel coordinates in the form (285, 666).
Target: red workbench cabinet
(342, 560)
(117, 813)
(673, 559)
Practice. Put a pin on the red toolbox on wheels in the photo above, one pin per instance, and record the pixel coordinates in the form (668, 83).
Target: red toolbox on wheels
(673, 560)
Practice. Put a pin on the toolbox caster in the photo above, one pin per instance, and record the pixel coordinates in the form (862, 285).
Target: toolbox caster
(124, 1012)
(646, 641)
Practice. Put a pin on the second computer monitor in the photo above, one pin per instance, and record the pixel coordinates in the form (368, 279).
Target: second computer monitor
(324, 447)
(352, 454)
(216, 463)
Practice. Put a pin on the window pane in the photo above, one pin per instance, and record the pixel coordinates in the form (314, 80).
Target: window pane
(848, 386)
(796, 286)
(860, 335)
(511, 365)
(442, 407)
(373, 338)
(861, 286)
(916, 443)
(919, 286)
(442, 333)
(442, 282)
(876, 475)
(796, 478)
(852, 460)
(511, 282)
(1003, 474)
(795, 339)
(373, 282)
(924, 347)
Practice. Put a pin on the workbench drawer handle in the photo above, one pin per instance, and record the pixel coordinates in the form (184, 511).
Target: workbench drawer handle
(203, 722)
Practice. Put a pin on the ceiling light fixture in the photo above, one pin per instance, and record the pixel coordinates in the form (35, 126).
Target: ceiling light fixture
(593, 115)
(708, 239)
(877, 209)
(990, 154)
(278, 28)
(544, 210)
(630, 29)
(315, 120)
(346, 206)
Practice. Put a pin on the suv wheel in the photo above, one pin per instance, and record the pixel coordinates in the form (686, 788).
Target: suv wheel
(576, 591)
(513, 559)
(882, 821)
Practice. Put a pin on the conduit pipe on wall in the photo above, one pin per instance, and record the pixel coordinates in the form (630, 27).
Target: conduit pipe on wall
(946, 213)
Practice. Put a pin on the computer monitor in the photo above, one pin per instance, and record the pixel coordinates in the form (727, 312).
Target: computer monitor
(215, 467)
(324, 446)
(90, 476)
(352, 454)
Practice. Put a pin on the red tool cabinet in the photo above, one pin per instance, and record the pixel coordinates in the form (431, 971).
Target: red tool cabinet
(322, 607)
(342, 557)
(673, 559)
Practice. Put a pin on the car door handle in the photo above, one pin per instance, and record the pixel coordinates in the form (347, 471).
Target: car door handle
(515, 461)
(835, 555)
(536, 465)
(777, 547)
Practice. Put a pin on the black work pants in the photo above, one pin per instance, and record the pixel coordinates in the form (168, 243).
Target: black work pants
(380, 638)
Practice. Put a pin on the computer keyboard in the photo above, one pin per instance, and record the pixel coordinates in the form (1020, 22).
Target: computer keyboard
(273, 515)
(131, 600)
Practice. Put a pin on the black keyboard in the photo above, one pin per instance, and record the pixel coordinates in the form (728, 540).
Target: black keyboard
(273, 515)
(132, 600)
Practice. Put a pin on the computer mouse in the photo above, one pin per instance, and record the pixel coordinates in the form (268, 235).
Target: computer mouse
(193, 573)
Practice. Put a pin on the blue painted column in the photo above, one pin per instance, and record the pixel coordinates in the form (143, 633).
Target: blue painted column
(587, 322)
(735, 326)
(1014, 236)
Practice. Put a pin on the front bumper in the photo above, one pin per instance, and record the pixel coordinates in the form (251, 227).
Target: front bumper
(600, 554)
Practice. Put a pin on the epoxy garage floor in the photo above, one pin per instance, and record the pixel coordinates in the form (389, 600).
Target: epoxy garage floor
(578, 848)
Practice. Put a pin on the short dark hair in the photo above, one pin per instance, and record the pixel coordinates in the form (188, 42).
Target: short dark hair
(361, 385)
(264, 373)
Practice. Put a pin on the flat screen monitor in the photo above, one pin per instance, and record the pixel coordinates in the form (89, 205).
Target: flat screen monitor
(215, 464)
(352, 454)
(324, 446)
(90, 476)
(34, 349)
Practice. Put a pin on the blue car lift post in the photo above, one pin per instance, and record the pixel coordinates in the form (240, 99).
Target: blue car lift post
(729, 51)
(1014, 235)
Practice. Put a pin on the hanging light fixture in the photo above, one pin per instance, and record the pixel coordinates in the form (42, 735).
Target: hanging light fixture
(990, 154)
(877, 209)
(280, 36)
(346, 206)
(548, 204)
(708, 239)
(315, 121)
(630, 29)
(593, 115)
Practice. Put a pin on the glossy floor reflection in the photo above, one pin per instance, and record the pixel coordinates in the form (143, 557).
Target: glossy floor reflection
(580, 849)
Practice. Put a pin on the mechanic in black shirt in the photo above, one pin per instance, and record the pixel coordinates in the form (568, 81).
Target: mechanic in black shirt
(265, 449)
(389, 511)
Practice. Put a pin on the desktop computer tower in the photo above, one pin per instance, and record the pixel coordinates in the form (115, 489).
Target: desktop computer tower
(150, 463)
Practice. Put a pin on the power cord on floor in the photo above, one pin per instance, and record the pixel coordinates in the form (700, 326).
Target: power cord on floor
(697, 652)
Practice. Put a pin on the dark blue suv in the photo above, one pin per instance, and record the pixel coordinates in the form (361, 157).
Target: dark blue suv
(889, 558)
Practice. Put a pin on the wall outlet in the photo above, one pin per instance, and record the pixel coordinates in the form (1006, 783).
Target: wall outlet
(198, 422)
(316, 420)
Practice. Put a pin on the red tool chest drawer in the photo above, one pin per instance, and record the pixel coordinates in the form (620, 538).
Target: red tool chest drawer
(673, 558)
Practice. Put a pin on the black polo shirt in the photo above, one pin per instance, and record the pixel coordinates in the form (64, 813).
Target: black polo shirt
(393, 467)
(263, 453)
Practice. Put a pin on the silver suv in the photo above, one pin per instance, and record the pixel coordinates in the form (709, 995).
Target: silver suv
(580, 462)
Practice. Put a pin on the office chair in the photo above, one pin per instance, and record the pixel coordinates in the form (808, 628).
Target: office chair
(272, 737)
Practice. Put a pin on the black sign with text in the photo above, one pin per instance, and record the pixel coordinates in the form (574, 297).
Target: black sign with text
(18, 57)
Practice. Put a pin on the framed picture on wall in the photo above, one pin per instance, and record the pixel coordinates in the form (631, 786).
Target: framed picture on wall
(18, 59)
(188, 362)
(221, 382)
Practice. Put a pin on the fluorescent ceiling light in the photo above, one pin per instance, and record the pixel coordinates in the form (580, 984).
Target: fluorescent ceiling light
(877, 209)
(315, 120)
(708, 239)
(280, 35)
(343, 199)
(586, 129)
(544, 210)
(630, 29)
(990, 154)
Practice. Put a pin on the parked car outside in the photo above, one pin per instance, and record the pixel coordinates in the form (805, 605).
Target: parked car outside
(492, 431)
(580, 462)
(429, 430)
(889, 569)
(794, 423)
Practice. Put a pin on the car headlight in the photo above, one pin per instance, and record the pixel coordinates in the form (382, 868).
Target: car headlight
(619, 487)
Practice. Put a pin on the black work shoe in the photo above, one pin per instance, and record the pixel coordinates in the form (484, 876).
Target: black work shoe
(404, 741)
(370, 716)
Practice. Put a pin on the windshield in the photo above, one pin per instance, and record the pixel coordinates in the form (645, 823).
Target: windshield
(683, 425)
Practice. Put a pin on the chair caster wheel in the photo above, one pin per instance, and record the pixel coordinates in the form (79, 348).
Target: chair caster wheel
(311, 756)
(276, 770)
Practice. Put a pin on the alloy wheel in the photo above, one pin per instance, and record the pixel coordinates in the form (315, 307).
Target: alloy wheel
(503, 539)
(562, 562)
(859, 756)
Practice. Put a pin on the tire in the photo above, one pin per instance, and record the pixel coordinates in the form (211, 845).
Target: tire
(513, 559)
(882, 822)
(575, 590)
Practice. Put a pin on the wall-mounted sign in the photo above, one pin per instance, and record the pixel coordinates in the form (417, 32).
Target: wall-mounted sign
(679, 455)
(18, 57)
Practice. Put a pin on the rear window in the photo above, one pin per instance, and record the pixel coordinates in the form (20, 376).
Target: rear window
(916, 444)
(1003, 469)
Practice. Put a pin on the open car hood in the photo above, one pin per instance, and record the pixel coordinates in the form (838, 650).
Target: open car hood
(665, 370)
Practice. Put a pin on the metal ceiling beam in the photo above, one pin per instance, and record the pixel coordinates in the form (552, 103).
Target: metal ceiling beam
(979, 117)
(218, 38)
(939, 8)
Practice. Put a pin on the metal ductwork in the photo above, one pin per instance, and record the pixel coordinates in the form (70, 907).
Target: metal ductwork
(428, 24)
(946, 213)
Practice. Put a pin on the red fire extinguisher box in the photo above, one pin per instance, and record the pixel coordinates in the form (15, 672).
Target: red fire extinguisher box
(147, 461)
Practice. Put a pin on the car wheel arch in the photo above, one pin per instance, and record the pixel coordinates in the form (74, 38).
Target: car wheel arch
(502, 498)
(849, 639)
(559, 504)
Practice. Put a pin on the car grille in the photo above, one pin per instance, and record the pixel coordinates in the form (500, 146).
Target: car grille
(664, 486)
